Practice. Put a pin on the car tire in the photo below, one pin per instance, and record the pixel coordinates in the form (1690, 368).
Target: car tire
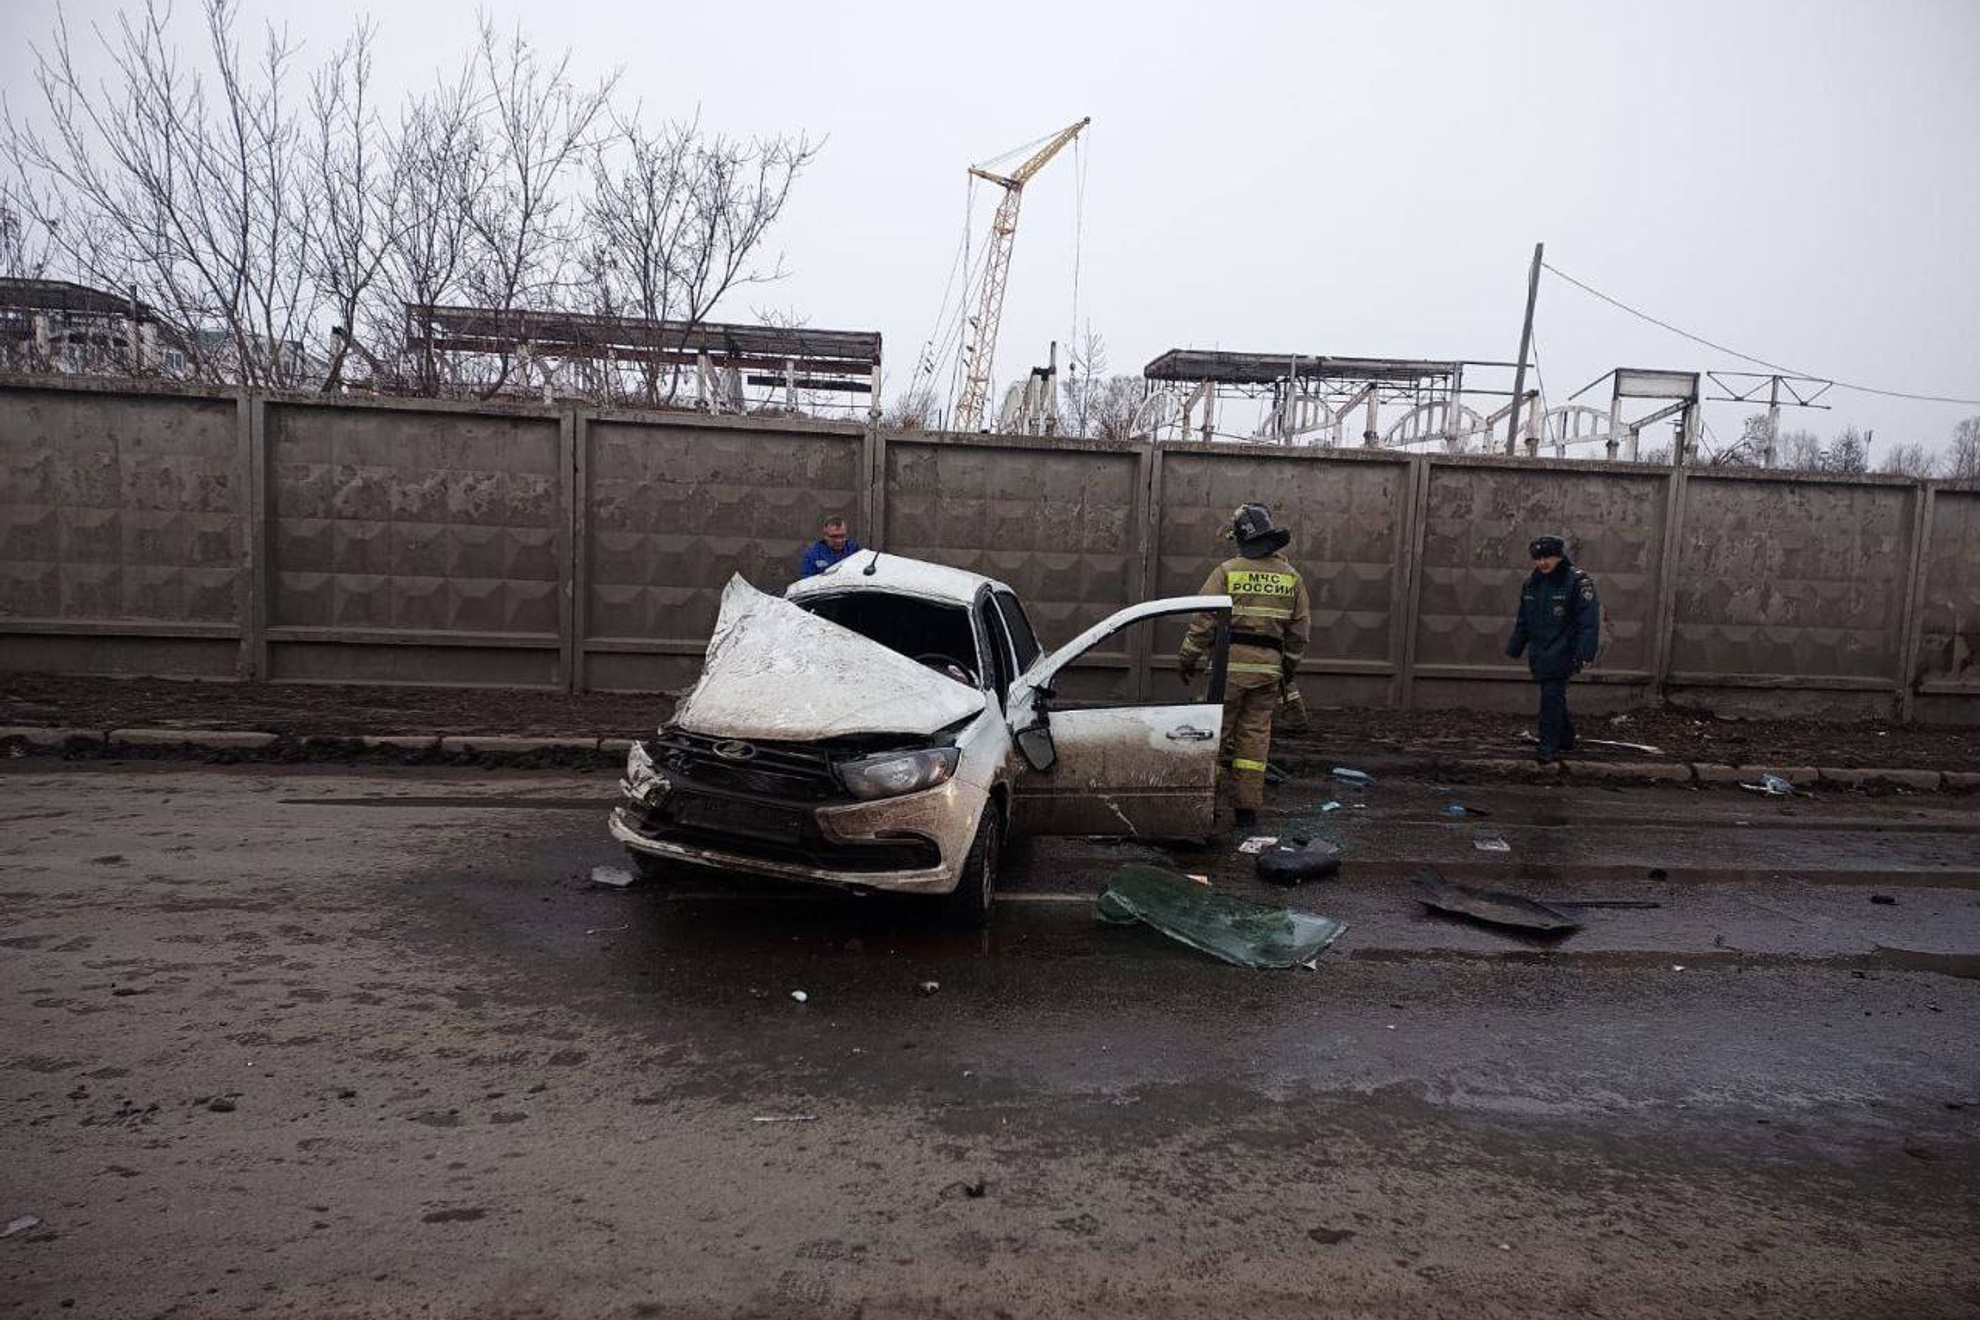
(967, 906)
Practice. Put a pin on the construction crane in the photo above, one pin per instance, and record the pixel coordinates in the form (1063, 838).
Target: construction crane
(996, 267)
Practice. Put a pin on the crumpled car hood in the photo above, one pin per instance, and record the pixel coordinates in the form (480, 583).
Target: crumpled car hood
(777, 673)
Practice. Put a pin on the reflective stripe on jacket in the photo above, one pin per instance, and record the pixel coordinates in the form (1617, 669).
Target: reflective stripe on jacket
(1268, 599)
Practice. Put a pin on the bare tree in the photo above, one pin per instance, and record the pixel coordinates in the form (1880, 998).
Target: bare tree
(538, 125)
(437, 165)
(1963, 458)
(1849, 453)
(677, 222)
(914, 410)
(23, 252)
(1911, 459)
(353, 194)
(255, 221)
(179, 185)
(1801, 451)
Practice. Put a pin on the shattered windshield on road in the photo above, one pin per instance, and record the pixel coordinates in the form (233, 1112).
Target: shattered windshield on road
(931, 633)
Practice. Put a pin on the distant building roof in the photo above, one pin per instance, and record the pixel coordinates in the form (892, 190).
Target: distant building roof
(65, 296)
(1190, 364)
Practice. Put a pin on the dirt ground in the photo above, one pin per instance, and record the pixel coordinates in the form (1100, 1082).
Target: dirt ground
(98, 703)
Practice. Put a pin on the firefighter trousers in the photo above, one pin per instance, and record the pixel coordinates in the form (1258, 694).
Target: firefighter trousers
(1249, 700)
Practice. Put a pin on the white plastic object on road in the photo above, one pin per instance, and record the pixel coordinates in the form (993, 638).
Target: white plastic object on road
(800, 996)
(1330, 806)
(1258, 843)
(1491, 843)
(618, 877)
(24, 1224)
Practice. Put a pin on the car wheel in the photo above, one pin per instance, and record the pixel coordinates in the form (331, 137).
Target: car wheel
(967, 907)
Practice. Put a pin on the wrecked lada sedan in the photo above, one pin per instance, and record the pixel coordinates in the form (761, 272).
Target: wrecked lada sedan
(888, 723)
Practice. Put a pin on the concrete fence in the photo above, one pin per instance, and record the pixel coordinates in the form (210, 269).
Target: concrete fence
(294, 538)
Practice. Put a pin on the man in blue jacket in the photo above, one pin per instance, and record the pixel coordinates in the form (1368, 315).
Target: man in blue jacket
(829, 549)
(1559, 628)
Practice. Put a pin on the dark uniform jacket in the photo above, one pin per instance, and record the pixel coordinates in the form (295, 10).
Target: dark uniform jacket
(1559, 624)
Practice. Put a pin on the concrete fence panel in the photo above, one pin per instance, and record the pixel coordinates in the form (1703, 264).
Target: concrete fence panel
(1478, 517)
(1793, 584)
(411, 544)
(189, 531)
(1946, 667)
(1348, 514)
(671, 509)
(123, 529)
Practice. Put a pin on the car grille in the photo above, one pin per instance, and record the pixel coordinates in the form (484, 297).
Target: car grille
(790, 774)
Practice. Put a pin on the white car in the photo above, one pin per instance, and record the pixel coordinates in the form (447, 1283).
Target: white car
(886, 724)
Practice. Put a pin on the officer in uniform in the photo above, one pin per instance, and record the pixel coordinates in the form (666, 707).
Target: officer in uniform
(1270, 620)
(1559, 628)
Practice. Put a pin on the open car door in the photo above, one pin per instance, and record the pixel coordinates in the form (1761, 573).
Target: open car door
(1148, 769)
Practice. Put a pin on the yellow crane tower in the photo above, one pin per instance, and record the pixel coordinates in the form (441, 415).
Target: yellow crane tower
(996, 267)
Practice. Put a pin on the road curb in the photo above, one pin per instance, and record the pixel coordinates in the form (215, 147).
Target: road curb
(249, 744)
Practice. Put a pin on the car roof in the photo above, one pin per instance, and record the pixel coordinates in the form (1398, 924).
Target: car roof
(896, 573)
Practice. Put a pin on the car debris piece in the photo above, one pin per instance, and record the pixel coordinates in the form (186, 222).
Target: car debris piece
(22, 1224)
(618, 877)
(1244, 934)
(1772, 786)
(1330, 806)
(1258, 843)
(1490, 906)
(1349, 775)
(1491, 843)
(1884, 900)
(1294, 861)
(928, 987)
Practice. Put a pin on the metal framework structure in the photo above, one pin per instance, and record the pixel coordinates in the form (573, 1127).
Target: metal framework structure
(1677, 389)
(1317, 399)
(717, 367)
(982, 352)
(1745, 386)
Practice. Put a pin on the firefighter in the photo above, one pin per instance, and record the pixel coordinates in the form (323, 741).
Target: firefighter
(1270, 621)
(1558, 628)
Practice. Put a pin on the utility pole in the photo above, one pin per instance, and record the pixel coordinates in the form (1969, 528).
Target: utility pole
(1773, 422)
(1525, 343)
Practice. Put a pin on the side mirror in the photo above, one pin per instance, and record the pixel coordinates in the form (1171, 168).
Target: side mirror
(1037, 746)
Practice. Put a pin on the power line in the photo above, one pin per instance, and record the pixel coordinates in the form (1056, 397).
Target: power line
(1748, 357)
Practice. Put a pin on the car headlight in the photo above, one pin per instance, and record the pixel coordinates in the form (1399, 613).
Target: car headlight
(643, 782)
(895, 773)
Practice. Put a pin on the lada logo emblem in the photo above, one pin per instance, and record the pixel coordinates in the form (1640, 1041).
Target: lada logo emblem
(734, 750)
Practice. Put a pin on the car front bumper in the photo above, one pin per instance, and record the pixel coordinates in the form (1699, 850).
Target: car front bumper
(945, 817)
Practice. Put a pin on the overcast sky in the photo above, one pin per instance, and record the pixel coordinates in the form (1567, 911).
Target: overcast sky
(1798, 180)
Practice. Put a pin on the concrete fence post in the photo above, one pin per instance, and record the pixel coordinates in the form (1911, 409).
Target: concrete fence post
(571, 531)
(1911, 622)
(258, 579)
(873, 488)
(1144, 558)
(1411, 527)
(1664, 623)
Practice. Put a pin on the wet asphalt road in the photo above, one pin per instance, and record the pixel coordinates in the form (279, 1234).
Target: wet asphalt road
(370, 1043)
